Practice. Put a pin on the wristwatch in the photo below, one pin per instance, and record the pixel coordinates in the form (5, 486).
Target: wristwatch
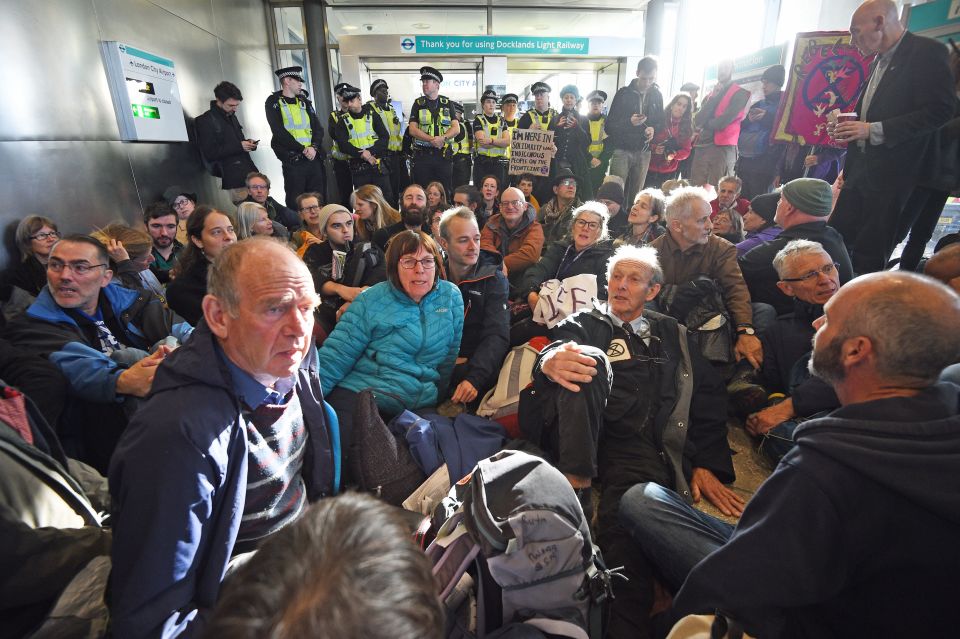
(745, 329)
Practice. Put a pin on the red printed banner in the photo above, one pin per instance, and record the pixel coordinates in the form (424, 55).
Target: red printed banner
(826, 73)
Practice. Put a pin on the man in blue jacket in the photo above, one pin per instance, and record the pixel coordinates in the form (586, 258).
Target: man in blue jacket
(854, 534)
(233, 442)
(101, 336)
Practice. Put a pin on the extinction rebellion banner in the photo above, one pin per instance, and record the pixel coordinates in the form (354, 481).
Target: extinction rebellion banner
(826, 73)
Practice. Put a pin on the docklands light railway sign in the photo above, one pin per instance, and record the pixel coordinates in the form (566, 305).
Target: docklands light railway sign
(494, 45)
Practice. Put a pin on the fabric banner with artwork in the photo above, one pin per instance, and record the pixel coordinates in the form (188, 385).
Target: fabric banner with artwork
(826, 73)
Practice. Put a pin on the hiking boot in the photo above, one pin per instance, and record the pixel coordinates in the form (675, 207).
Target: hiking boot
(746, 395)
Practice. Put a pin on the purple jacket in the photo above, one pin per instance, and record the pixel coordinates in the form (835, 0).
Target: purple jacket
(756, 238)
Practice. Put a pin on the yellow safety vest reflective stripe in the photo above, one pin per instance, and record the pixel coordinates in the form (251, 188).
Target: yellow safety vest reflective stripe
(335, 151)
(492, 131)
(362, 135)
(426, 121)
(392, 121)
(462, 147)
(545, 120)
(597, 135)
(297, 121)
(511, 128)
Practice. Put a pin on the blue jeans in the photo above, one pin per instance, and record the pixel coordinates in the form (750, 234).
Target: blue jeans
(673, 535)
(778, 441)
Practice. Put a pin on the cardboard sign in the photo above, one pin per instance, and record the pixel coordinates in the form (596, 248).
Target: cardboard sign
(531, 151)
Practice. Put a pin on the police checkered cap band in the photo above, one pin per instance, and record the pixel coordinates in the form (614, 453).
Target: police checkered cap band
(290, 72)
(540, 87)
(349, 92)
(433, 74)
(597, 95)
(377, 84)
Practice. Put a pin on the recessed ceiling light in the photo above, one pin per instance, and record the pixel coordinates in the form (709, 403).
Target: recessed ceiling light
(350, 27)
(542, 27)
(420, 25)
(528, 28)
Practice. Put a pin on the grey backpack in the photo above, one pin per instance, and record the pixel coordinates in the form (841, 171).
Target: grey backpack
(516, 543)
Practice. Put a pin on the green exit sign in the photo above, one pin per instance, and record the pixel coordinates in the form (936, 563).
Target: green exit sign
(144, 111)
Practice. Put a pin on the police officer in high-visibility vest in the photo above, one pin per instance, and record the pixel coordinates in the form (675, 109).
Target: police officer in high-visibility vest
(599, 157)
(463, 147)
(541, 116)
(361, 134)
(433, 123)
(341, 167)
(508, 111)
(297, 136)
(493, 139)
(381, 105)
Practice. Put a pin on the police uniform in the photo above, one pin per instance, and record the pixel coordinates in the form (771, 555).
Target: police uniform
(463, 148)
(511, 126)
(490, 160)
(295, 127)
(393, 159)
(341, 166)
(547, 120)
(434, 118)
(365, 131)
(597, 135)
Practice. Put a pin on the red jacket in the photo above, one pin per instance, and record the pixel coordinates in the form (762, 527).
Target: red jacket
(676, 146)
(742, 205)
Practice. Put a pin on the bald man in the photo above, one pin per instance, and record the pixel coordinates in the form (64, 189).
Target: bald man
(855, 534)
(908, 96)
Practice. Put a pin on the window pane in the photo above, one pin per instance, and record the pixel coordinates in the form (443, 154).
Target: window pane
(289, 25)
(578, 23)
(343, 21)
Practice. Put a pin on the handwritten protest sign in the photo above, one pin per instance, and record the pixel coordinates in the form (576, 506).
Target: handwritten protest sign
(531, 151)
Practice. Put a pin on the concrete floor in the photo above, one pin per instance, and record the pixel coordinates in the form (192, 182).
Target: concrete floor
(751, 467)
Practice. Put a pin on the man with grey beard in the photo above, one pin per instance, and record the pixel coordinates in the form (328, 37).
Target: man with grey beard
(864, 513)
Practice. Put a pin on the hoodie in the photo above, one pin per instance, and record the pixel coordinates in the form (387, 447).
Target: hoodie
(854, 534)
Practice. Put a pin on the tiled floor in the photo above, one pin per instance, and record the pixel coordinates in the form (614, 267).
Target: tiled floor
(751, 468)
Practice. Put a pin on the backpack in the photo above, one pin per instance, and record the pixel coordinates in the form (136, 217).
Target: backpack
(213, 168)
(502, 402)
(515, 540)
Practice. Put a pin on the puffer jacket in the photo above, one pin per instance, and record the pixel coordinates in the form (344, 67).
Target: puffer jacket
(388, 342)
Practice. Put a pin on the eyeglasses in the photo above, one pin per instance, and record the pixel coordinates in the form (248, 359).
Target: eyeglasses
(46, 235)
(826, 269)
(257, 187)
(567, 182)
(593, 226)
(409, 263)
(315, 207)
(177, 204)
(512, 203)
(80, 268)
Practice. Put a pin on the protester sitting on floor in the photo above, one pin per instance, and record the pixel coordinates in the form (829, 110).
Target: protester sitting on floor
(106, 339)
(490, 206)
(161, 223)
(689, 250)
(341, 267)
(345, 568)
(400, 338)
(728, 224)
(854, 534)
(131, 255)
(610, 194)
(645, 218)
(486, 325)
(944, 265)
(308, 205)
(623, 395)
(183, 204)
(372, 211)
(809, 276)
(555, 215)
(35, 236)
(759, 222)
(209, 231)
(413, 212)
(252, 219)
(728, 196)
(230, 447)
(525, 184)
(258, 186)
(515, 234)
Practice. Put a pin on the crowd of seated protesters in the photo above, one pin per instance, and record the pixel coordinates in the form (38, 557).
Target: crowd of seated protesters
(241, 357)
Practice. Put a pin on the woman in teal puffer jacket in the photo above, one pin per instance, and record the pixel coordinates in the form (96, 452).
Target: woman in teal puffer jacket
(400, 337)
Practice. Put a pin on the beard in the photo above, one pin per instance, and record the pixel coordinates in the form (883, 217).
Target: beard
(162, 242)
(412, 216)
(826, 362)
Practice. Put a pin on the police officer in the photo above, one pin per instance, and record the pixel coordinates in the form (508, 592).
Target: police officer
(508, 111)
(541, 116)
(493, 140)
(380, 92)
(297, 136)
(341, 166)
(599, 158)
(433, 123)
(463, 147)
(361, 134)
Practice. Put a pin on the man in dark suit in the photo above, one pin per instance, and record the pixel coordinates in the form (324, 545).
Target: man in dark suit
(908, 96)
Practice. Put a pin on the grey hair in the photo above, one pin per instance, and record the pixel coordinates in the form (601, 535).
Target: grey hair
(247, 214)
(223, 275)
(658, 202)
(645, 255)
(681, 200)
(461, 212)
(911, 325)
(597, 208)
(791, 250)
